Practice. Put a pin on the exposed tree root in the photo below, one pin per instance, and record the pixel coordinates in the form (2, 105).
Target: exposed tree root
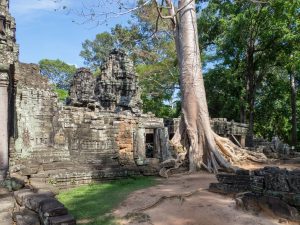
(181, 197)
(236, 155)
(223, 154)
(164, 172)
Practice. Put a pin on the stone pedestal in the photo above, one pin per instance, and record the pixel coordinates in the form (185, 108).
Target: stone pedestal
(3, 124)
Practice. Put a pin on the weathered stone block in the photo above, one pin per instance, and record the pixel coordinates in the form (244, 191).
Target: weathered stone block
(248, 201)
(257, 184)
(227, 188)
(51, 207)
(60, 220)
(21, 195)
(233, 179)
(12, 184)
(26, 217)
(276, 182)
(33, 202)
(29, 170)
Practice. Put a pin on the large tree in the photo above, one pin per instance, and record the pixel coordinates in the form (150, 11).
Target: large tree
(205, 149)
(245, 38)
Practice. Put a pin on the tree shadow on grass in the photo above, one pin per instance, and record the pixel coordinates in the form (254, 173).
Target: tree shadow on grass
(92, 204)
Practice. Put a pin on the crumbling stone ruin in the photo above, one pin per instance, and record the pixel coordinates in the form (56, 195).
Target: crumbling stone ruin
(23, 205)
(272, 188)
(77, 143)
(275, 149)
(82, 89)
(114, 90)
(8, 68)
(100, 134)
(236, 132)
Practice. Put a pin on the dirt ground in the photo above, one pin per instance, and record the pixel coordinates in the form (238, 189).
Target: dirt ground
(197, 206)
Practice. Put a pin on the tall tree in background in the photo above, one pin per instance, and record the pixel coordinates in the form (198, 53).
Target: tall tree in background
(94, 52)
(59, 74)
(150, 45)
(287, 15)
(245, 38)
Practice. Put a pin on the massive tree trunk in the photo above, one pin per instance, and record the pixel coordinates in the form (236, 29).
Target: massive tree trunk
(204, 147)
(294, 109)
(195, 132)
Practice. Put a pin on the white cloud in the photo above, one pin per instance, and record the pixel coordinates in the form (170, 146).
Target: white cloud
(23, 7)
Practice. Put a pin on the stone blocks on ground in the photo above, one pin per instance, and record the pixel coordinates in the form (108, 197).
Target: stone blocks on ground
(26, 217)
(42, 208)
(270, 188)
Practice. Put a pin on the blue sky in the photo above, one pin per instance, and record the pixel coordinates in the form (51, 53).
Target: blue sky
(45, 32)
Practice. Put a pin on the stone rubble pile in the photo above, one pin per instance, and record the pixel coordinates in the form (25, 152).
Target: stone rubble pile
(26, 205)
(269, 188)
(40, 209)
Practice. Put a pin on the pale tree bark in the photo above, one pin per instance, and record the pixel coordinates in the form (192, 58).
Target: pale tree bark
(204, 148)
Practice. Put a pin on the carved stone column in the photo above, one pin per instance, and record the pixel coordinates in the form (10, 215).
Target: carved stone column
(4, 81)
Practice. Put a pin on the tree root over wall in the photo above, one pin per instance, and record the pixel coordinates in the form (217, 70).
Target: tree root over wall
(224, 156)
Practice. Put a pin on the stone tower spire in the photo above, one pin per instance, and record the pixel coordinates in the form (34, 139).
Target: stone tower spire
(4, 3)
(9, 52)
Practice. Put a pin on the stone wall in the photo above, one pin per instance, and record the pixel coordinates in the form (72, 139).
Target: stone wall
(76, 144)
(8, 67)
(272, 188)
(236, 132)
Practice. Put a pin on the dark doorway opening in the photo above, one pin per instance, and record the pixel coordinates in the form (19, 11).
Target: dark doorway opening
(150, 145)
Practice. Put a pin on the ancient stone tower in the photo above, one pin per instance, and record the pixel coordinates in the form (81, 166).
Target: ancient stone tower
(114, 90)
(8, 67)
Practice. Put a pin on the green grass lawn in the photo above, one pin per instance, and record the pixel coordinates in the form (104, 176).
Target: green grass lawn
(91, 204)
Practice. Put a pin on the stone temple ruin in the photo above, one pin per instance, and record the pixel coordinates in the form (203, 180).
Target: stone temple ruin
(101, 133)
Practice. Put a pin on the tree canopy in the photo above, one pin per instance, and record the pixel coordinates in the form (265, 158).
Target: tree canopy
(248, 47)
(59, 74)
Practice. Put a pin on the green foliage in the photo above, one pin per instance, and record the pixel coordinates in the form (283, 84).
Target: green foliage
(273, 107)
(224, 93)
(93, 203)
(94, 52)
(153, 56)
(159, 81)
(58, 72)
(62, 94)
(249, 49)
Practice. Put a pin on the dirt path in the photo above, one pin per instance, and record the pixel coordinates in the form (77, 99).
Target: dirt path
(201, 208)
